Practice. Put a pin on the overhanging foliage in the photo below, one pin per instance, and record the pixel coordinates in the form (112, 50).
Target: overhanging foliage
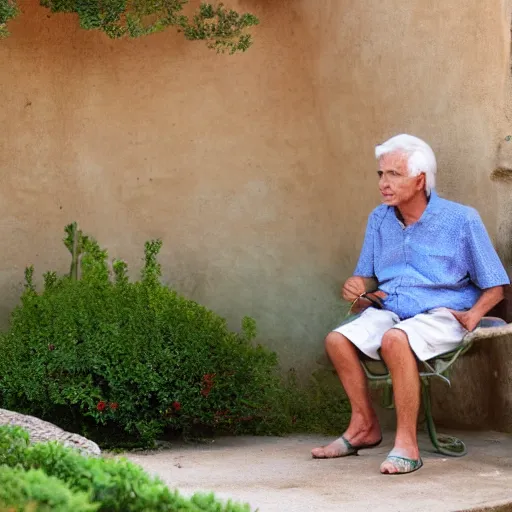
(8, 10)
(223, 29)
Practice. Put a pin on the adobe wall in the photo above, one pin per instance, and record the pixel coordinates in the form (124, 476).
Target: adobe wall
(256, 170)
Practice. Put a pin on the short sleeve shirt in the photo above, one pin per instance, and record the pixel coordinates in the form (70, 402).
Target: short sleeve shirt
(445, 259)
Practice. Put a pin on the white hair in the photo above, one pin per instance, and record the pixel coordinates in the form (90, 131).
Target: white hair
(421, 157)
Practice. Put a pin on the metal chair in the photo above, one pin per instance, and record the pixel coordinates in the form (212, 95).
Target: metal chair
(440, 366)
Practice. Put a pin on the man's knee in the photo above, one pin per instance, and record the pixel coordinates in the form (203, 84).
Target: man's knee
(333, 340)
(394, 342)
(340, 350)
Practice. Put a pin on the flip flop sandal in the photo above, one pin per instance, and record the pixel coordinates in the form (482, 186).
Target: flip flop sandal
(347, 449)
(403, 465)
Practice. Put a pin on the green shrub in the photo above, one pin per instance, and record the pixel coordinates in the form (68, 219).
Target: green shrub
(115, 484)
(35, 491)
(98, 354)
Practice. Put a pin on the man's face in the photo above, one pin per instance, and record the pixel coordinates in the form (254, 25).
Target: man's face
(395, 184)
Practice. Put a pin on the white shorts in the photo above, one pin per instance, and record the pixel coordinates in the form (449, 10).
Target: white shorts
(430, 334)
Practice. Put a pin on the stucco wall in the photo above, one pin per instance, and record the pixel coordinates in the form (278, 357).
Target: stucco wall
(256, 170)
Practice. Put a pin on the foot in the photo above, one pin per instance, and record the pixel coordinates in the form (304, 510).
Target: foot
(342, 447)
(338, 448)
(398, 463)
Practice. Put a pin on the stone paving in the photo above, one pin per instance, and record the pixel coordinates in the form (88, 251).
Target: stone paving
(278, 475)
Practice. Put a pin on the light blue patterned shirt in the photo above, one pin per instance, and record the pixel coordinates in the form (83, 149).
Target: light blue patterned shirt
(445, 259)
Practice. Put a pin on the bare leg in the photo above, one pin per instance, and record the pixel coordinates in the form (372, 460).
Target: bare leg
(364, 427)
(400, 360)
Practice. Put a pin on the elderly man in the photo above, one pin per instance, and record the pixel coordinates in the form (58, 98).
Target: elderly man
(438, 275)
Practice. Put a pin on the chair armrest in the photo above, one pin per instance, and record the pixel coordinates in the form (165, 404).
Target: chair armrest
(489, 327)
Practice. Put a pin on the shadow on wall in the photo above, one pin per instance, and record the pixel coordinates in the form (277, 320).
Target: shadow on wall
(503, 172)
(502, 176)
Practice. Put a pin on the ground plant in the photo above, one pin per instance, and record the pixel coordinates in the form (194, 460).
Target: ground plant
(50, 477)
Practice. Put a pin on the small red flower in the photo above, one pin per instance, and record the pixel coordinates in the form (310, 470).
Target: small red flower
(101, 406)
(207, 383)
(176, 406)
(114, 406)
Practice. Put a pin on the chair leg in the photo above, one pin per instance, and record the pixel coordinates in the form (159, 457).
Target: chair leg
(388, 401)
(447, 445)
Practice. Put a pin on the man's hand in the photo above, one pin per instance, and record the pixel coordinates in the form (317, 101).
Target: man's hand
(356, 286)
(468, 319)
(489, 298)
(353, 287)
(364, 303)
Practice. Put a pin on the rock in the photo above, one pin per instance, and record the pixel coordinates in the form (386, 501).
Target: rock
(41, 431)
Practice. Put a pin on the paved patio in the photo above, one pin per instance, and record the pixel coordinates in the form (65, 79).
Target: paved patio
(278, 474)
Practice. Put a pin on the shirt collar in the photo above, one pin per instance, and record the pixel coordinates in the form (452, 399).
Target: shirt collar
(431, 209)
(432, 206)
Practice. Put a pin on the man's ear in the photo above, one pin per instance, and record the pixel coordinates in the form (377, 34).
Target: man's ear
(422, 182)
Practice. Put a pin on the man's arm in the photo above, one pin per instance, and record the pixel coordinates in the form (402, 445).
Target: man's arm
(489, 298)
(485, 270)
(363, 279)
